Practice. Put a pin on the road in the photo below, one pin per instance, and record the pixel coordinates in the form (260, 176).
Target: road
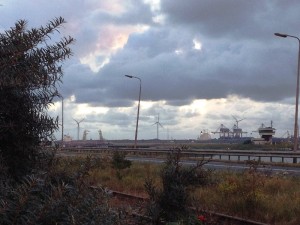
(217, 165)
(237, 167)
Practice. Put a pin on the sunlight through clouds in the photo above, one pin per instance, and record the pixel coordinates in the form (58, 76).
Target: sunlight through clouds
(111, 39)
(245, 71)
(178, 51)
(197, 44)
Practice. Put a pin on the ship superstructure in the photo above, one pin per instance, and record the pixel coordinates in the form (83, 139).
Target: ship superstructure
(266, 134)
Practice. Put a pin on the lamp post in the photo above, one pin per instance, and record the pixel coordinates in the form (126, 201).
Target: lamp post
(297, 95)
(62, 119)
(138, 110)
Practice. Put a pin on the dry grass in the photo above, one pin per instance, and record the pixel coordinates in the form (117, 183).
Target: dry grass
(132, 181)
(269, 199)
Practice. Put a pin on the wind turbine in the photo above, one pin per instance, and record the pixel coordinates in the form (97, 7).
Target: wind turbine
(78, 122)
(237, 121)
(157, 126)
(101, 138)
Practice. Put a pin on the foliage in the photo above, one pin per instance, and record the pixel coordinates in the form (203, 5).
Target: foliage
(56, 197)
(34, 186)
(171, 203)
(29, 72)
(248, 190)
(277, 194)
(119, 163)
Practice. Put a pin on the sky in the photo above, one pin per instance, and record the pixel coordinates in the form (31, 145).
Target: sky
(202, 63)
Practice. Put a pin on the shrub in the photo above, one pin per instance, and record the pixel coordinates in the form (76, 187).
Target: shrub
(171, 203)
(55, 197)
(29, 73)
(120, 163)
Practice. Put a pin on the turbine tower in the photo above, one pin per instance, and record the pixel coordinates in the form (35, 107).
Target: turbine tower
(100, 135)
(78, 128)
(237, 132)
(157, 127)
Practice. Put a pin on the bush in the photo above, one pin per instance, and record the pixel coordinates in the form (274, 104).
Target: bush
(29, 73)
(171, 203)
(55, 197)
(120, 163)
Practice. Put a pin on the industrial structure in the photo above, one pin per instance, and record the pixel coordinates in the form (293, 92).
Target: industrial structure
(266, 134)
(226, 133)
(85, 133)
(101, 138)
(204, 136)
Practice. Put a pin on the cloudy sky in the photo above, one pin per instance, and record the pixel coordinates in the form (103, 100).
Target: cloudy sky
(201, 63)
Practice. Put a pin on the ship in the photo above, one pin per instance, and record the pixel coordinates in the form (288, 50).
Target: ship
(204, 136)
(266, 134)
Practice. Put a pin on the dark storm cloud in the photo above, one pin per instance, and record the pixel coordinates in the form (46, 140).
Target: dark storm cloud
(231, 18)
(180, 79)
(216, 18)
(239, 55)
(249, 69)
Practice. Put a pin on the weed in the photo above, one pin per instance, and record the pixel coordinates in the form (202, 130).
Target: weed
(120, 163)
(171, 202)
(56, 196)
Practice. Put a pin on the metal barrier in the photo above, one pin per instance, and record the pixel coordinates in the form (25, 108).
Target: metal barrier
(235, 155)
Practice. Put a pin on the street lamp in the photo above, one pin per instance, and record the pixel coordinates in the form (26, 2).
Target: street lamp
(297, 94)
(62, 119)
(138, 111)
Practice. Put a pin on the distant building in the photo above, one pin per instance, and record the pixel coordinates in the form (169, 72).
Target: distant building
(67, 138)
(204, 136)
(266, 134)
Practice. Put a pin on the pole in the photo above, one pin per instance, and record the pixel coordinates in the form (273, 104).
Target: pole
(78, 131)
(297, 95)
(297, 103)
(138, 115)
(138, 110)
(62, 120)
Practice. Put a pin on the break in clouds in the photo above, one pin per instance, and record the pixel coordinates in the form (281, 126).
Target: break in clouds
(183, 51)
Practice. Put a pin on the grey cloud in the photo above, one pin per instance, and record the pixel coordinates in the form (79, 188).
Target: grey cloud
(247, 69)
(240, 54)
(215, 18)
(243, 71)
(232, 19)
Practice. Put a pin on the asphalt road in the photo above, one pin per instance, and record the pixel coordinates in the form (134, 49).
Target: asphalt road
(231, 166)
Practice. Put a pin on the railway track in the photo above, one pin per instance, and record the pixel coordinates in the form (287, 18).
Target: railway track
(218, 218)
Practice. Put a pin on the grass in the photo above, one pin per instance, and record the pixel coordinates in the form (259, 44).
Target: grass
(270, 199)
(273, 199)
(132, 181)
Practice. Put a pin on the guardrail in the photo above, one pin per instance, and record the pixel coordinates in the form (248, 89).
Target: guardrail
(237, 155)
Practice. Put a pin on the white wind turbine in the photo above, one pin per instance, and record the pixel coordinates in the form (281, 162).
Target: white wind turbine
(157, 127)
(78, 126)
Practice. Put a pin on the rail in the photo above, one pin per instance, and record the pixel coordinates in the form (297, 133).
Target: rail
(219, 216)
(236, 155)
